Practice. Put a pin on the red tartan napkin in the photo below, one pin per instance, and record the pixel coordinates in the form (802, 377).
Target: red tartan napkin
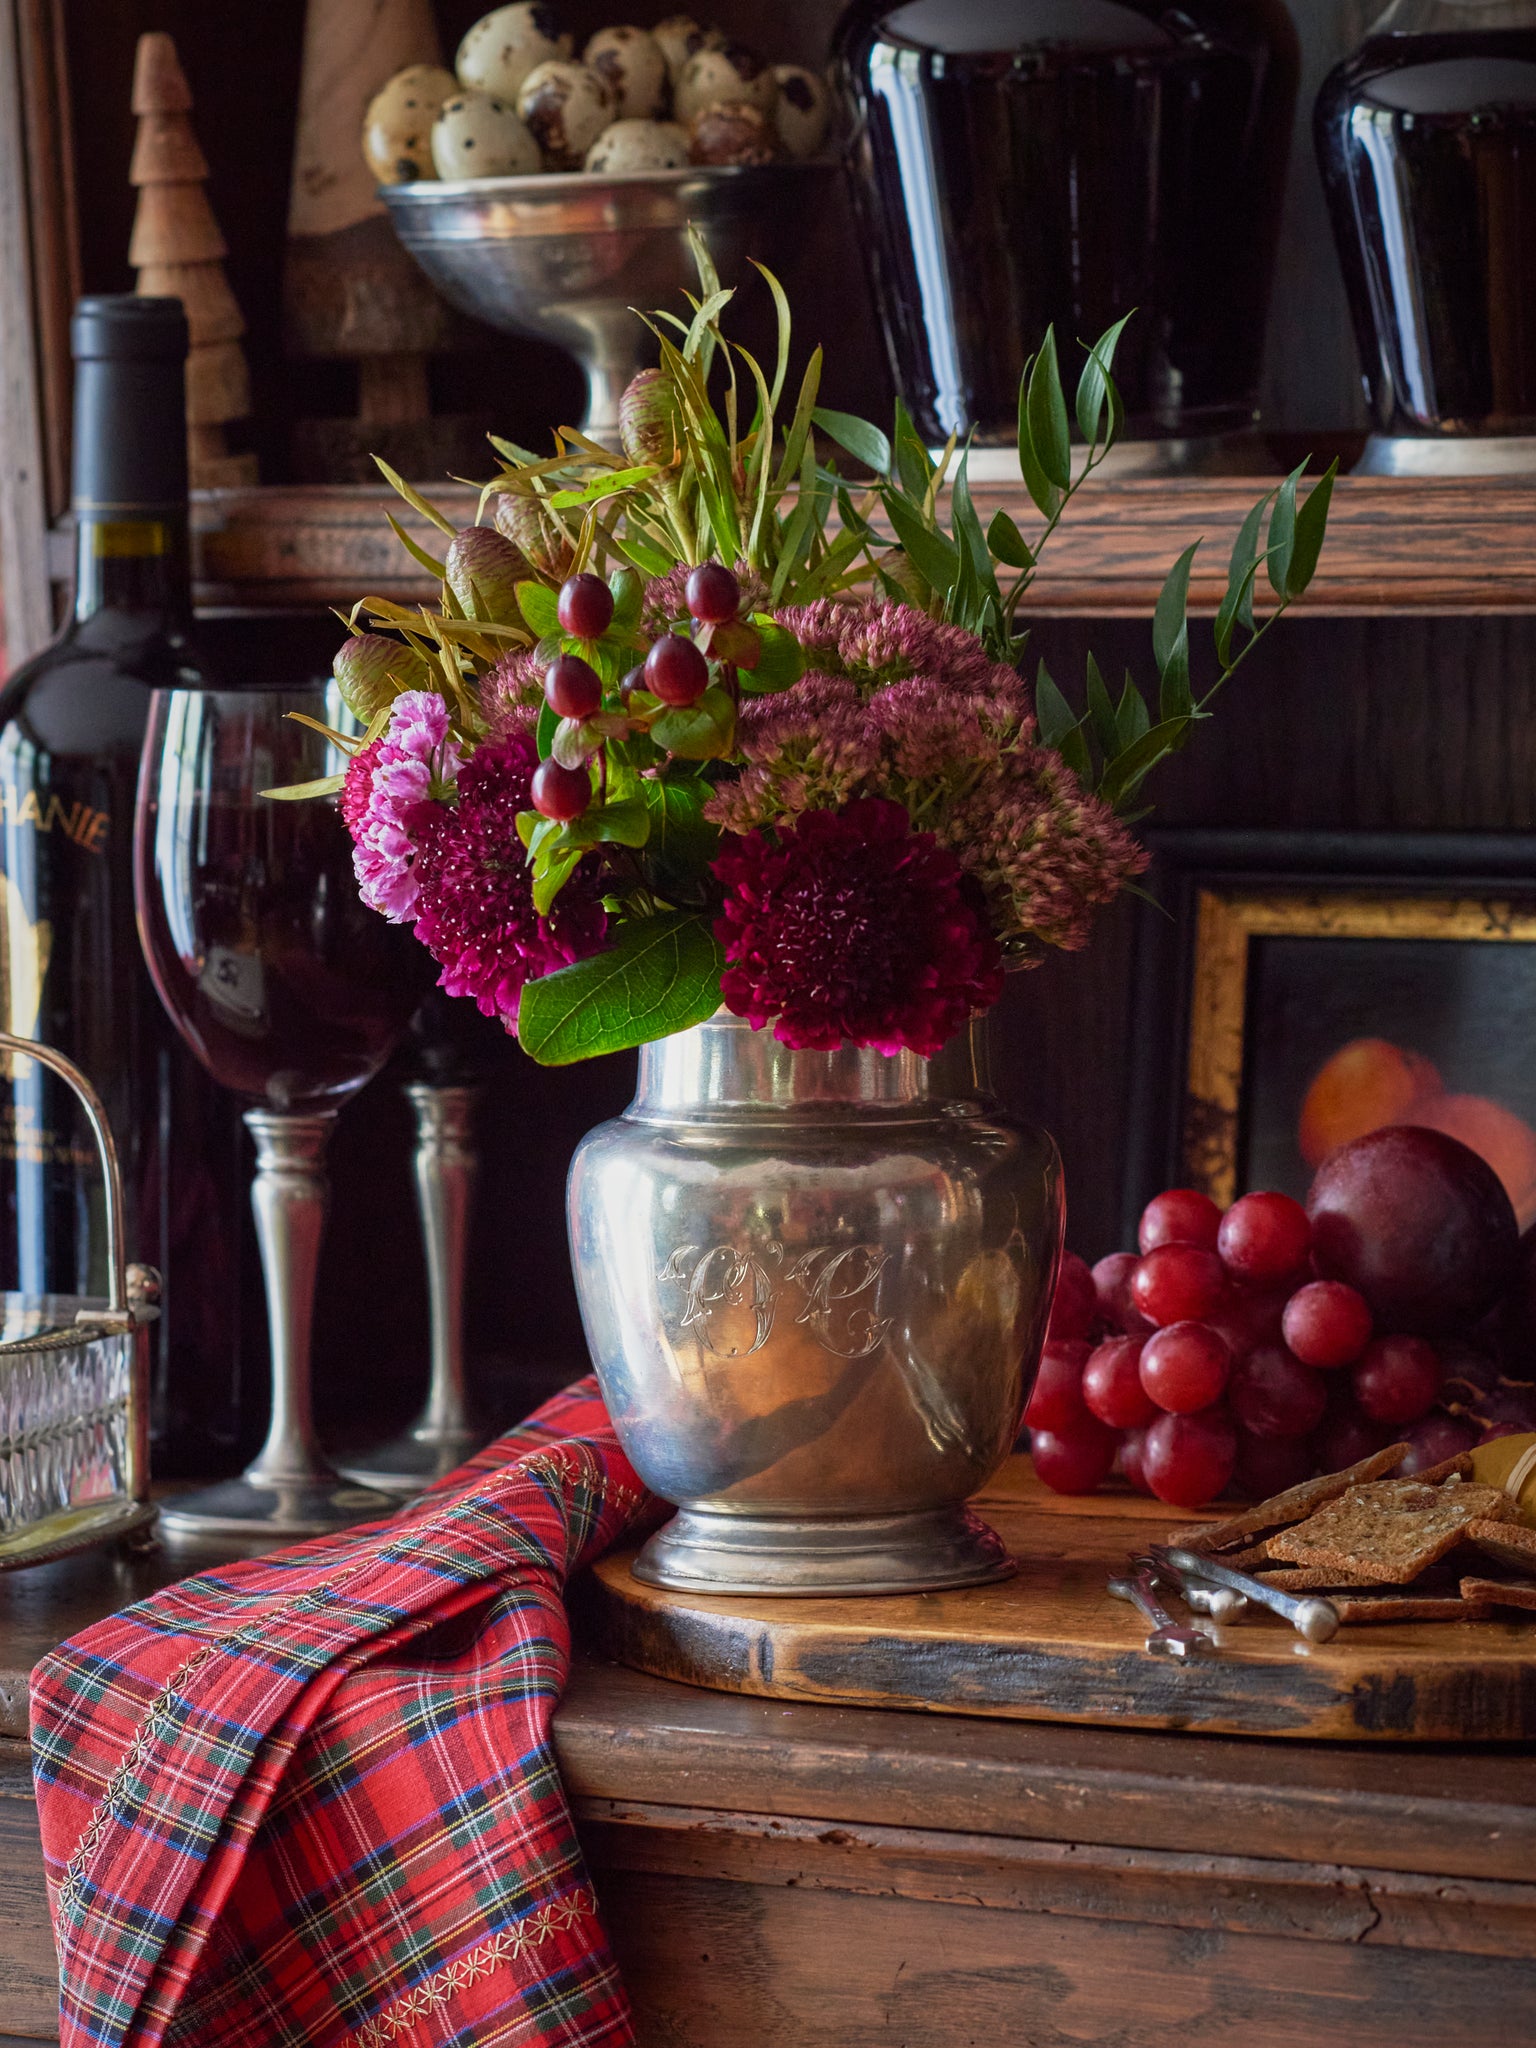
(309, 1800)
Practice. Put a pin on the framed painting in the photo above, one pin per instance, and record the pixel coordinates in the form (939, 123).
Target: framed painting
(1294, 991)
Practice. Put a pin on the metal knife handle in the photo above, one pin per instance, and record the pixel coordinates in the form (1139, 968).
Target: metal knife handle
(1317, 1621)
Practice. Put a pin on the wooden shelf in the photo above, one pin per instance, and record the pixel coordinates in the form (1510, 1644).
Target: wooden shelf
(1395, 545)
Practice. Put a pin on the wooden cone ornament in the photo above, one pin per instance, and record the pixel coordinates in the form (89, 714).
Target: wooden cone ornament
(178, 252)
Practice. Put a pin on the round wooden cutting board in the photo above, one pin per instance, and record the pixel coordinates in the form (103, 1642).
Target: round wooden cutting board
(1051, 1645)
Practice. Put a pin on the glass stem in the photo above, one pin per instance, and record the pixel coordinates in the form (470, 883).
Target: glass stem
(289, 1196)
(445, 1179)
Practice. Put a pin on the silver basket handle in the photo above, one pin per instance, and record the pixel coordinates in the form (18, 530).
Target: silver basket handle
(111, 1172)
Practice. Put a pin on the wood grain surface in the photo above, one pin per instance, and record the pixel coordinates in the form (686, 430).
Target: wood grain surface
(1051, 1645)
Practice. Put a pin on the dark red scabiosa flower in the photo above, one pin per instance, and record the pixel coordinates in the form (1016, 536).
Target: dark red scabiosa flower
(848, 925)
(476, 914)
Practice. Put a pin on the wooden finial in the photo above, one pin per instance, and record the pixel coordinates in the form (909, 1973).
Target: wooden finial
(166, 152)
(159, 83)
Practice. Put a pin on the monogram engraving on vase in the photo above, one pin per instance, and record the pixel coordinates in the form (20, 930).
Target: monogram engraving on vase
(838, 1286)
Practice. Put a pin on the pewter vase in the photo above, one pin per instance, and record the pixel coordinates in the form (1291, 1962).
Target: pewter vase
(815, 1286)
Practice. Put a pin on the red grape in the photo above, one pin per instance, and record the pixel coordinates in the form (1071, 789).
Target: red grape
(1326, 1323)
(1112, 1387)
(712, 594)
(572, 687)
(1274, 1394)
(1264, 1238)
(585, 606)
(1075, 1460)
(675, 671)
(1112, 1284)
(1056, 1399)
(1434, 1439)
(1185, 1367)
(1398, 1379)
(1175, 1283)
(1179, 1216)
(1267, 1465)
(1130, 1460)
(1188, 1459)
(1344, 1436)
(1075, 1305)
(558, 792)
(1248, 1320)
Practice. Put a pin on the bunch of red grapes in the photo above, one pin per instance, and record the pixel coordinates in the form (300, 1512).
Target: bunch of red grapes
(1214, 1361)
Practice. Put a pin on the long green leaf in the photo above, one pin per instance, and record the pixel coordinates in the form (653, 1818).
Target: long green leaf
(1132, 718)
(785, 324)
(1236, 607)
(610, 485)
(1101, 713)
(1095, 385)
(661, 976)
(798, 439)
(1129, 769)
(1282, 534)
(1311, 526)
(301, 792)
(1053, 714)
(1043, 492)
(415, 500)
(1046, 408)
(934, 556)
(1008, 544)
(864, 442)
(1170, 638)
(914, 465)
(416, 552)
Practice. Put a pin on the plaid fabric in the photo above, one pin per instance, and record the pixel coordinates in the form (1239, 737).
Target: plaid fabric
(309, 1801)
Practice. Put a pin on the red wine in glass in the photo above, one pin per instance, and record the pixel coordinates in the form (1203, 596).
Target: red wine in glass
(291, 993)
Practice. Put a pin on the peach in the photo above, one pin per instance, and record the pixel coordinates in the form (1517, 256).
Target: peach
(1364, 1085)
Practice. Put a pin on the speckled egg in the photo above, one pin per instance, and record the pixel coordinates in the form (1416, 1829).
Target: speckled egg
(567, 107)
(397, 128)
(639, 146)
(678, 37)
(479, 136)
(501, 49)
(802, 111)
(710, 78)
(731, 132)
(631, 65)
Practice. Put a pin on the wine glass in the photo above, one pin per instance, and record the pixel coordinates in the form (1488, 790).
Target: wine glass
(292, 994)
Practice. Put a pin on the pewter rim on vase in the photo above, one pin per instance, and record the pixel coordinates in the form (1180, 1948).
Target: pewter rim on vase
(815, 1287)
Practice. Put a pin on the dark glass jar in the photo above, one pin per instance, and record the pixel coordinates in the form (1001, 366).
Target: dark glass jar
(1427, 140)
(1019, 163)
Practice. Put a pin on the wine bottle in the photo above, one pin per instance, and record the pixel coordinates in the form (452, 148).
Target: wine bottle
(72, 973)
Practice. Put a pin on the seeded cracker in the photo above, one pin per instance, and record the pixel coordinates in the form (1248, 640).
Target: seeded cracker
(1353, 1608)
(1501, 1592)
(1388, 1531)
(1291, 1506)
(1511, 1543)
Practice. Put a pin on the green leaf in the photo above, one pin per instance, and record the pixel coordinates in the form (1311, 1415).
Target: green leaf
(572, 743)
(933, 555)
(682, 842)
(1311, 526)
(415, 500)
(1132, 718)
(914, 465)
(609, 485)
(551, 871)
(661, 976)
(299, 792)
(864, 442)
(797, 440)
(1008, 544)
(417, 554)
(627, 823)
(1170, 638)
(1236, 607)
(538, 605)
(1282, 534)
(780, 661)
(1043, 492)
(968, 531)
(628, 601)
(1096, 387)
(544, 732)
(702, 731)
(1053, 714)
(1126, 773)
(1046, 410)
(1106, 727)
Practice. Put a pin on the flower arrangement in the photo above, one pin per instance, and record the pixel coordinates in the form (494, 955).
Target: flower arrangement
(703, 720)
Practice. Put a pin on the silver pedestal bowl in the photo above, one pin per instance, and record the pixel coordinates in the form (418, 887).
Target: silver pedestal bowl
(568, 256)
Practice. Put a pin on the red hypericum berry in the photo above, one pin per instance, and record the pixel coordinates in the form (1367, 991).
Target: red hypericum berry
(1112, 1285)
(1179, 1216)
(1056, 1398)
(1130, 1460)
(1267, 1465)
(572, 687)
(1075, 1304)
(1185, 1367)
(712, 594)
(1112, 1388)
(675, 671)
(1074, 1460)
(1188, 1459)
(1264, 1238)
(1176, 1283)
(1433, 1440)
(1273, 1394)
(562, 793)
(585, 607)
(1326, 1324)
(1398, 1379)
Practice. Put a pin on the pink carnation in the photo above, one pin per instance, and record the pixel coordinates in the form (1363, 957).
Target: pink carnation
(406, 769)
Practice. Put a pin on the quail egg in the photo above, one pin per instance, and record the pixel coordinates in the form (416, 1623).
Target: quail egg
(479, 136)
(802, 111)
(567, 107)
(678, 37)
(639, 146)
(712, 77)
(731, 132)
(501, 49)
(631, 64)
(397, 128)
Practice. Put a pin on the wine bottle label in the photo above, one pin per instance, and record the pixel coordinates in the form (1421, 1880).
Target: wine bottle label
(127, 540)
(88, 827)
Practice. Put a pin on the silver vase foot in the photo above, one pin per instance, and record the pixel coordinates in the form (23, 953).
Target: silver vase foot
(310, 1506)
(932, 1550)
(443, 1435)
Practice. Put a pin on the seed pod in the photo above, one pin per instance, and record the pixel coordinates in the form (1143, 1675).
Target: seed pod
(650, 418)
(484, 570)
(544, 548)
(371, 671)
